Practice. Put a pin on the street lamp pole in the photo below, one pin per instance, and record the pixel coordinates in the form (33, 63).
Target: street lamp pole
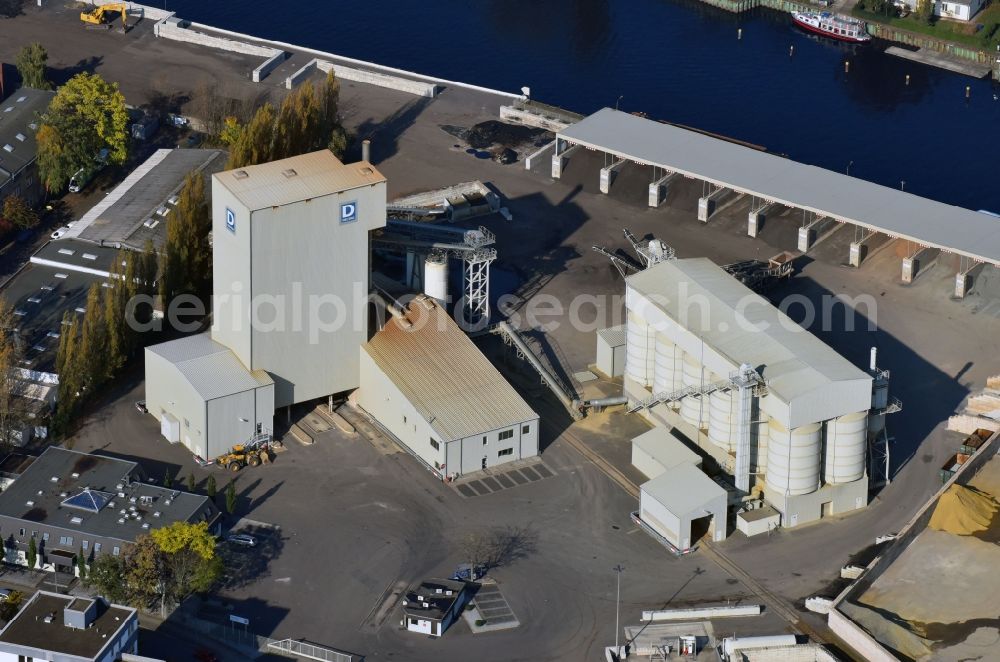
(618, 606)
(618, 100)
(849, 164)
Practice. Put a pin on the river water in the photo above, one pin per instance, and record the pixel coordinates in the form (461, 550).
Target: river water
(681, 61)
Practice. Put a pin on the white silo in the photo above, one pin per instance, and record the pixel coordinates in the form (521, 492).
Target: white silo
(693, 410)
(846, 441)
(793, 458)
(667, 366)
(639, 341)
(721, 416)
(436, 277)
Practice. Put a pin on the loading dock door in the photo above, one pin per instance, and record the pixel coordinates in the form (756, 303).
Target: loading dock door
(170, 428)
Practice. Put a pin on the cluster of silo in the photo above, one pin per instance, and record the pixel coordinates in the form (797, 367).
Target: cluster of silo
(796, 459)
(640, 346)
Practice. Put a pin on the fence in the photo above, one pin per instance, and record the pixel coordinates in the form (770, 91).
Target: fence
(241, 638)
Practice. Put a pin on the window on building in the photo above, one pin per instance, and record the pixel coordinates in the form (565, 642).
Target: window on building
(21, 533)
(66, 540)
(506, 451)
(34, 534)
(116, 550)
(506, 434)
(413, 621)
(435, 445)
(525, 429)
(86, 545)
(404, 420)
(97, 547)
(484, 441)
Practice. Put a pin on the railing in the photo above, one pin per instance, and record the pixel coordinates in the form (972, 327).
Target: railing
(311, 651)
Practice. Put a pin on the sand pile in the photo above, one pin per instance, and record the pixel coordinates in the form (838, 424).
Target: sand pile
(964, 511)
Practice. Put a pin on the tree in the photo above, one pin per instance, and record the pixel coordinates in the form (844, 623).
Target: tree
(10, 606)
(31, 65)
(81, 564)
(924, 11)
(168, 482)
(107, 575)
(210, 488)
(12, 387)
(187, 257)
(18, 212)
(190, 558)
(145, 572)
(92, 352)
(32, 555)
(86, 116)
(231, 131)
(116, 296)
(191, 482)
(70, 372)
(231, 497)
(255, 142)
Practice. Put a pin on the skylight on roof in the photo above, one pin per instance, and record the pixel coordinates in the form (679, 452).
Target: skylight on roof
(8, 148)
(21, 137)
(22, 99)
(89, 500)
(89, 256)
(66, 251)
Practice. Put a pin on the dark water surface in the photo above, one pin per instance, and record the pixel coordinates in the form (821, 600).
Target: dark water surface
(680, 61)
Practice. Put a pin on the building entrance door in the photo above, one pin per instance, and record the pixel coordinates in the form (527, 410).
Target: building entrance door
(484, 463)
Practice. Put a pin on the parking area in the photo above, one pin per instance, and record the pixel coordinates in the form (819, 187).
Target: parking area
(502, 478)
(493, 607)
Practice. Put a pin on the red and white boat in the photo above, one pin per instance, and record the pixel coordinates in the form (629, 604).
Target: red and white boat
(835, 26)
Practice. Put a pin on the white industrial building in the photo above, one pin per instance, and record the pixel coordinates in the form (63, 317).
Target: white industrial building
(290, 242)
(426, 382)
(217, 401)
(780, 411)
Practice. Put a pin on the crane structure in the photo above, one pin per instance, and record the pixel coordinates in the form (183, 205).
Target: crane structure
(473, 247)
(649, 253)
(103, 14)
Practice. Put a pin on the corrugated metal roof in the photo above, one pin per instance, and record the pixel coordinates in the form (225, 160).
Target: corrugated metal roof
(684, 489)
(129, 214)
(665, 448)
(614, 336)
(210, 367)
(444, 375)
(297, 178)
(743, 327)
(778, 179)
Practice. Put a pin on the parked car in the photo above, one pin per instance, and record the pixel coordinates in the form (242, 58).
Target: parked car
(244, 539)
(462, 572)
(140, 406)
(5, 594)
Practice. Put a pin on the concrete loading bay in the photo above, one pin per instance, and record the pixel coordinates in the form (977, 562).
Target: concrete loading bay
(825, 199)
(935, 347)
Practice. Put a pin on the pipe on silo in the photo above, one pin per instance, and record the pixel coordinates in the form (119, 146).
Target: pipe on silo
(366, 150)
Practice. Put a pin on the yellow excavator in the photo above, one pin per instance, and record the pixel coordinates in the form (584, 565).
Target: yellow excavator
(105, 13)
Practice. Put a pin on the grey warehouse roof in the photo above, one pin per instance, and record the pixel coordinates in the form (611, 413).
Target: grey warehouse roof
(665, 448)
(297, 178)
(444, 375)
(137, 209)
(17, 136)
(684, 489)
(782, 180)
(154, 505)
(614, 336)
(210, 367)
(743, 327)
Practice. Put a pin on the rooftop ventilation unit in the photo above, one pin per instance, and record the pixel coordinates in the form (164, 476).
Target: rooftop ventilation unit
(145, 525)
(76, 520)
(64, 494)
(290, 172)
(119, 486)
(241, 174)
(29, 503)
(54, 479)
(74, 474)
(49, 618)
(156, 514)
(121, 520)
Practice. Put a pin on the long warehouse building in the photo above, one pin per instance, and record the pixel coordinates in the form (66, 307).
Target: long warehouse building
(690, 329)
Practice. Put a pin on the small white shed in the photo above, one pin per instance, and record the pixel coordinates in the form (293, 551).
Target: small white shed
(682, 505)
(611, 351)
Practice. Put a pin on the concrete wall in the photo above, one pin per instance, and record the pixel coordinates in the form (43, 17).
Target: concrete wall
(661, 520)
(167, 29)
(168, 391)
(269, 65)
(343, 72)
(645, 462)
(307, 279)
(804, 508)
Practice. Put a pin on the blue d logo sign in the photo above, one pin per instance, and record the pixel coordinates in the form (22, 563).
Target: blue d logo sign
(348, 212)
(230, 220)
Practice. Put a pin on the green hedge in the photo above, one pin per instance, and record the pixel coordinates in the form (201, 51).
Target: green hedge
(987, 38)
